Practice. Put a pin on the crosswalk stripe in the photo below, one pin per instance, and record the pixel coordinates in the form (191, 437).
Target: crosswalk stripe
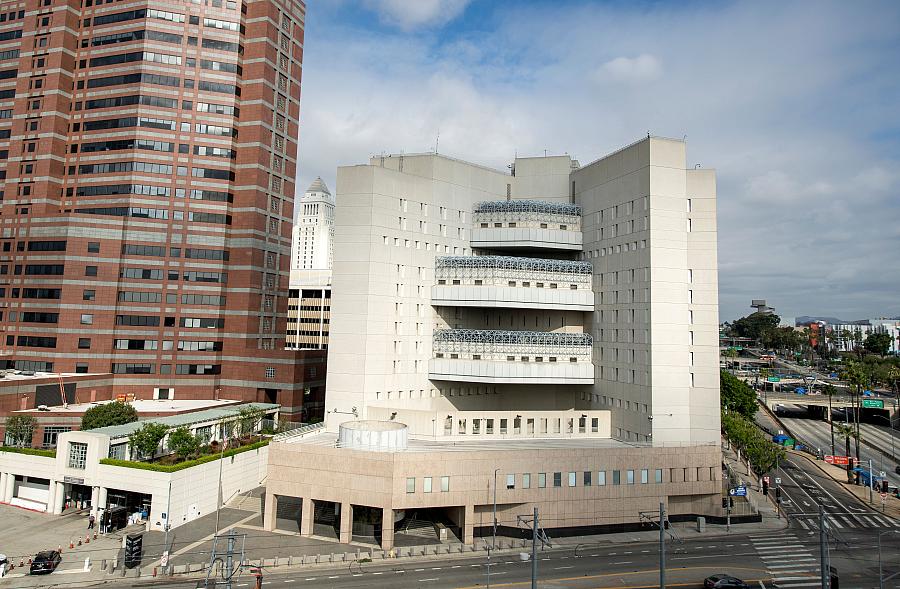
(847, 521)
(833, 522)
(803, 524)
(802, 578)
(790, 584)
(782, 550)
(787, 566)
(770, 561)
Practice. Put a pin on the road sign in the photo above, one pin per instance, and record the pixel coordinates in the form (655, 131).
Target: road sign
(773, 379)
(873, 404)
(777, 480)
(738, 491)
(882, 474)
(883, 495)
(800, 390)
(164, 561)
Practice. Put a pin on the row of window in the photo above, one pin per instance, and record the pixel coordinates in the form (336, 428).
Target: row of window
(132, 99)
(153, 321)
(128, 36)
(524, 481)
(157, 80)
(123, 167)
(130, 296)
(141, 368)
(159, 274)
(146, 213)
(168, 345)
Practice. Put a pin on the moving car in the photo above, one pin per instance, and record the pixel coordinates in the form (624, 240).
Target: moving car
(723, 581)
(45, 562)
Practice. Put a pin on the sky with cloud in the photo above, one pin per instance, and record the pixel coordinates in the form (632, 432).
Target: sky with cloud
(796, 105)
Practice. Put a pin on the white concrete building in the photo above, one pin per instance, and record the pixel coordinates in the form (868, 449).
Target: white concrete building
(314, 229)
(80, 472)
(479, 311)
(847, 335)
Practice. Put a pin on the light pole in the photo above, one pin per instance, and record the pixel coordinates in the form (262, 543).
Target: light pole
(494, 536)
(880, 574)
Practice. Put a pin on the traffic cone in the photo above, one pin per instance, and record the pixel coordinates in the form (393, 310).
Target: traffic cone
(87, 539)
(71, 544)
(59, 548)
(79, 541)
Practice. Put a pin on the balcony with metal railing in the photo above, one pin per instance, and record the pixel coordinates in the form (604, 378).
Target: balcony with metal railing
(513, 282)
(527, 224)
(520, 357)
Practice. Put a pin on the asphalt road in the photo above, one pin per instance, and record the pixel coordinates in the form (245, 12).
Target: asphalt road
(817, 432)
(588, 566)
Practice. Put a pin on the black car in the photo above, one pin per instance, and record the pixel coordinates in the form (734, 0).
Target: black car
(723, 581)
(45, 562)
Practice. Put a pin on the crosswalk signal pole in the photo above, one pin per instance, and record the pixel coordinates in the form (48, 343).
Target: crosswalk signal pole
(823, 551)
(662, 546)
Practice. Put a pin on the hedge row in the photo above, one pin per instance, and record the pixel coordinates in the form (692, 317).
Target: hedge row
(31, 451)
(182, 465)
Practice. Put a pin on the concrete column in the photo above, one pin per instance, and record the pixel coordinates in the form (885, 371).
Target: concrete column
(101, 499)
(346, 523)
(95, 499)
(60, 500)
(306, 517)
(51, 497)
(3, 487)
(387, 528)
(270, 510)
(10, 488)
(468, 524)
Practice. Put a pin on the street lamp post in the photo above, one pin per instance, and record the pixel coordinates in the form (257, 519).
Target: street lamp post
(880, 573)
(494, 535)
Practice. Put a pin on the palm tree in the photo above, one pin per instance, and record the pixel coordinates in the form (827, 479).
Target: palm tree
(855, 375)
(830, 390)
(847, 432)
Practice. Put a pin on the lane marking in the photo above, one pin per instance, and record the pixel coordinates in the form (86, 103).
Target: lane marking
(561, 568)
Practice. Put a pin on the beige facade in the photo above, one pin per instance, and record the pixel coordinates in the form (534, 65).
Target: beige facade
(555, 319)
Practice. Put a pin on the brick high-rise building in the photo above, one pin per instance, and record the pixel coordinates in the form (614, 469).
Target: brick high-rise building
(147, 163)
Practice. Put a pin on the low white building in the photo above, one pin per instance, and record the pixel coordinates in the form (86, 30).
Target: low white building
(78, 476)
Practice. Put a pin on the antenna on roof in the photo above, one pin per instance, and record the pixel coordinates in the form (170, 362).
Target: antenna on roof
(437, 141)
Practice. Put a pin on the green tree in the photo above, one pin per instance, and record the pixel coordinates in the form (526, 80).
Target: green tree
(20, 429)
(249, 418)
(762, 453)
(183, 443)
(736, 395)
(754, 325)
(115, 413)
(144, 441)
(878, 343)
(856, 375)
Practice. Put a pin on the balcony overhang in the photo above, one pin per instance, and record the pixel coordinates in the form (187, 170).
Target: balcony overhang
(513, 297)
(500, 372)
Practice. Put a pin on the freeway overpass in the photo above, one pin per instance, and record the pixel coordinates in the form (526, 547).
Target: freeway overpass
(888, 410)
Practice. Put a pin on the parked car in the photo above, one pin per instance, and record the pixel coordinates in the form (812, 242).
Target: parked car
(45, 562)
(723, 581)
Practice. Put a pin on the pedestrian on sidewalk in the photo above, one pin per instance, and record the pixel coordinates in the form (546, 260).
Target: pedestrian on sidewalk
(91, 521)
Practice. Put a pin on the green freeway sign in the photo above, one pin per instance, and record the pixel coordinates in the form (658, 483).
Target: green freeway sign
(773, 379)
(873, 404)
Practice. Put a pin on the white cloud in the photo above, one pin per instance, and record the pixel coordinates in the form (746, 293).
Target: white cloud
(412, 14)
(632, 69)
(782, 104)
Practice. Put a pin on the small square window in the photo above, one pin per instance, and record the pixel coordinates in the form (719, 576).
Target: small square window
(81, 368)
(557, 479)
(426, 485)
(617, 477)
(526, 480)
(90, 270)
(572, 479)
(510, 481)
(84, 343)
(542, 480)
(87, 319)
(445, 484)
(88, 295)
(587, 478)
(601, 478)
(270, 372)
(410, 484)
(629, 477)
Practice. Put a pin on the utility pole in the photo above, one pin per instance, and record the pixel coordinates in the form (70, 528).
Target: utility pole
(534, 535)
(494, 537)
(823, 551)
(229, 559)
(662, 545)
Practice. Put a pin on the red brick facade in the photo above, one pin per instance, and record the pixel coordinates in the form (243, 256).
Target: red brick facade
(149, 153)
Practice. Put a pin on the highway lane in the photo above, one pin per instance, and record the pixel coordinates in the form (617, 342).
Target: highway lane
(818, 433)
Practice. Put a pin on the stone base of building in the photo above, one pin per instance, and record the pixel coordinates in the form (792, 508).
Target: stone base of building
(578, 486)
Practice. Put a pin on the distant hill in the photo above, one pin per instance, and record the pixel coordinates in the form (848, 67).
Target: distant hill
(806, 320)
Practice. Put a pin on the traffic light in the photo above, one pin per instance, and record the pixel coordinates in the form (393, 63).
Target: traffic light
(884, 486)
(778, 494)
(765, 487)
(731, 502)
(133, 547)
(724, 502)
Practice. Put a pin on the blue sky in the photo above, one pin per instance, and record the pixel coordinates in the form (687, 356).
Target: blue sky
(796, 104)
